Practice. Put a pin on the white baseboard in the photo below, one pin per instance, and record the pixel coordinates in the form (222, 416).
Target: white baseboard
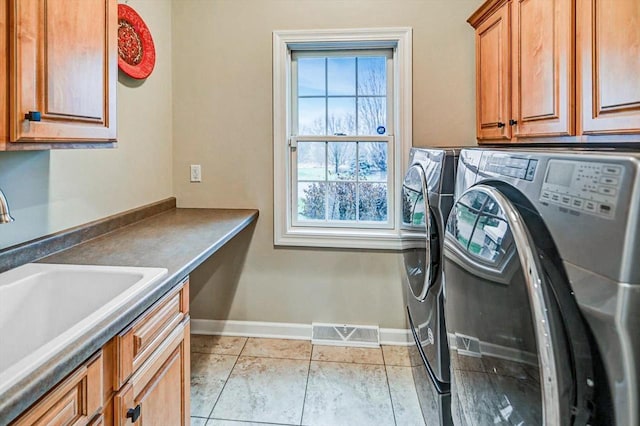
(276, 330)
(283, 330)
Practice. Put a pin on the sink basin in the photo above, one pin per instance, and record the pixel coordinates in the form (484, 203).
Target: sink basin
(45, 307)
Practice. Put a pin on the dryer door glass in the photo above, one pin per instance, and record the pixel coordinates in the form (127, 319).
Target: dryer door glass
(503, 367)
(417, 228)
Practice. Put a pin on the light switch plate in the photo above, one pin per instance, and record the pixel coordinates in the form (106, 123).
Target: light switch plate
(196, 173)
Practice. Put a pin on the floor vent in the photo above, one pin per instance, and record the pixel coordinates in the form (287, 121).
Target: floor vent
(345, 335)
(468, 345)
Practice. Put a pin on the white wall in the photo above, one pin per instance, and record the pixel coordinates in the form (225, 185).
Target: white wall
(222, 80)
(51, 191)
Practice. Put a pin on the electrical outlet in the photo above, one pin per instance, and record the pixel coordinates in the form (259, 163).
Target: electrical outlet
(196, 173)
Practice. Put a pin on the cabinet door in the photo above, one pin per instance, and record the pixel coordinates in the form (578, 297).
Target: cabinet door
(543, 68)
(492, 76)
(74, 401)
(608, 43)
(158, 393)
(64, 66)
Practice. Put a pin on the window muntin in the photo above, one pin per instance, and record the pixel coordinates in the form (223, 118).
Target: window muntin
(344, 177)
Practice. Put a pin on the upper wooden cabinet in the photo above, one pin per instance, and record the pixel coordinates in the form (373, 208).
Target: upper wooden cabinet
(492, 76)
(609, 66)
(572, 70)
(524, 65)
(63, 67)
(542, 68)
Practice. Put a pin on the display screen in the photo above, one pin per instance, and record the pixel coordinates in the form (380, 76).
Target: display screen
(559, 173)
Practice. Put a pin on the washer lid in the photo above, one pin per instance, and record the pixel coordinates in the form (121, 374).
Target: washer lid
(416, 218)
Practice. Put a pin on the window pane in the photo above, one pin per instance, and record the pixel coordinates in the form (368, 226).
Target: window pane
(342, 116)
(341, 76)
(311, 161)
(311, 116)
(311, 78)
(372, 161)
(373, 202)
(372, 76)
(341, 157)
(342, 201)
(372, 114)
(311, 201)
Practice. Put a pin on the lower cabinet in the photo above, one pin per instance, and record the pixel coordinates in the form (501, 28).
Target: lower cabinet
(74, 401)
(139, 377)
(158, 393)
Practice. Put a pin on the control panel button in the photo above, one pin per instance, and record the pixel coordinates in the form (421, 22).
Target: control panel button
(590, 206)
(612, 170)
(555, 197)
(546, 195)
(608, 180)
(606, 209)
(607, 190)
(577, 203)
(566, 200)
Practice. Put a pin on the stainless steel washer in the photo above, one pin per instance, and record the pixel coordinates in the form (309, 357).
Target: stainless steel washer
(427, 197)
(542, 291)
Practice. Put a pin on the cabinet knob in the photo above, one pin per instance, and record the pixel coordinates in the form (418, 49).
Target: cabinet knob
(513, 122)
(33, 116)
(133, 413)
(500, 124)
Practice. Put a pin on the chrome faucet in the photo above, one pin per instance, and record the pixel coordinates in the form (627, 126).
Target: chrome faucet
(5, 214)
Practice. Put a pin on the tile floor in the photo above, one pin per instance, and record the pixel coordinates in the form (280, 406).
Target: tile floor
(237, 381)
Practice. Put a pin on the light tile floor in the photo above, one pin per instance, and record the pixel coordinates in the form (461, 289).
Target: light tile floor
(237, 381)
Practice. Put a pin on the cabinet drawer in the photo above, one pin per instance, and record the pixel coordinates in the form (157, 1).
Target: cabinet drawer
(73, 402)
(138, 341)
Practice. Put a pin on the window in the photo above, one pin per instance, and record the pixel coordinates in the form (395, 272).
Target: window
(340, 139)
(341, 133)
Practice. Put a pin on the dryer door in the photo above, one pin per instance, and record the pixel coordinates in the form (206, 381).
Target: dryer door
(416, 222)
(511, 360)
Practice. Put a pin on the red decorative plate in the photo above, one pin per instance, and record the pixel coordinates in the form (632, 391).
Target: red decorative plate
(136, 52)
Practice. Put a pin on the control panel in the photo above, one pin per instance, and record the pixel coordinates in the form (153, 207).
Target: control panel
(583, 186)
(511, 166)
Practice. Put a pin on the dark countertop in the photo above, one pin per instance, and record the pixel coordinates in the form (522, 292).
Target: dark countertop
(178, 239)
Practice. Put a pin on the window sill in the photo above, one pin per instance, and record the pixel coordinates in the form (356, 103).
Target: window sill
(368, 240)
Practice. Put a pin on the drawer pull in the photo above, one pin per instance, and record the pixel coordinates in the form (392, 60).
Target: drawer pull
(133, 413)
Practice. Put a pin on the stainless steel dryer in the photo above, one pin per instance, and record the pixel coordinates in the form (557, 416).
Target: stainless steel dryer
(542, 296)
(427, 197)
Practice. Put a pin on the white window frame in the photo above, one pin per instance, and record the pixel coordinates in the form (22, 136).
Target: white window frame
(286, 232)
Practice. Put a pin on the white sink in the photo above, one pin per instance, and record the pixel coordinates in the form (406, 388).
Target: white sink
(45, 307)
